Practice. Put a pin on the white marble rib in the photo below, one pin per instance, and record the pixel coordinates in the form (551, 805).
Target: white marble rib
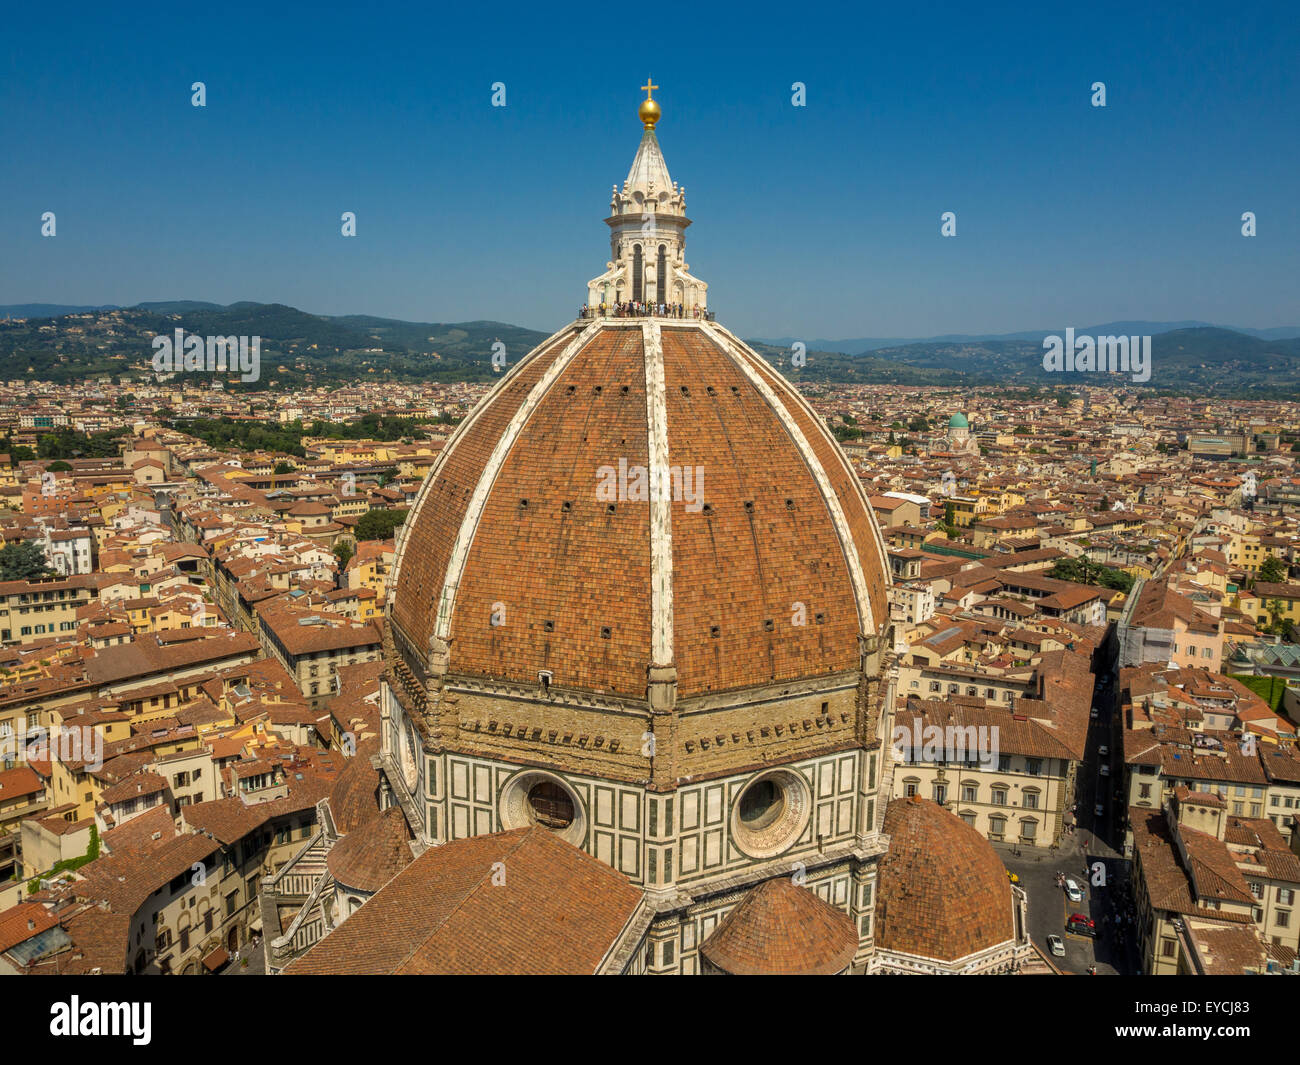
(661, 510)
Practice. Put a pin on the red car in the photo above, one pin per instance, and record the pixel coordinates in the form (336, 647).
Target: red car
(1081, 925)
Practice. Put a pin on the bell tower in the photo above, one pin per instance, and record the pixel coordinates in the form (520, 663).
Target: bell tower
(647, 240)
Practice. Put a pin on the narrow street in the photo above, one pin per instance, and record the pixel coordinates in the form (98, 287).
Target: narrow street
(1096, 841)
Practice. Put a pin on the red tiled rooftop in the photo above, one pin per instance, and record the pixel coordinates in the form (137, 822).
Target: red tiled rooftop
(521, 902)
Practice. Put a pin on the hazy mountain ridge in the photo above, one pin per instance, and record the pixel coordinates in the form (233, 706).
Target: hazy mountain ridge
(1123, 328)
(1204, 358)
(299, 348)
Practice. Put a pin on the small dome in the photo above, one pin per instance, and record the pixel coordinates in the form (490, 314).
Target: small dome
(958, 421)
(943, 891)
(368, 858)
(781, 929)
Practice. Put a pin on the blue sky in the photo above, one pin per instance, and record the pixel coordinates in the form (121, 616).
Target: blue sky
(816, 221)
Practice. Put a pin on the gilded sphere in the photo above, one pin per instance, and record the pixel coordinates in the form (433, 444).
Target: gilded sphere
(649, 113)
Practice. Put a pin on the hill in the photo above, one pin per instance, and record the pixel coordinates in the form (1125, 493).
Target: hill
(301, 349)
(297, 348)
(1200, 359)
(1125, 328)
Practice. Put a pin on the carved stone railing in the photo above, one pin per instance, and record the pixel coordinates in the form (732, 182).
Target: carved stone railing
(686, 316)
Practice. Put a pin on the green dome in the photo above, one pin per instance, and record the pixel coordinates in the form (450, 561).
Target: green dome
(958, 421)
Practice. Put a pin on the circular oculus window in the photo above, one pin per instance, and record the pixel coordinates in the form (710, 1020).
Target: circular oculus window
(771, 813)
(537, 798)
(549, 805)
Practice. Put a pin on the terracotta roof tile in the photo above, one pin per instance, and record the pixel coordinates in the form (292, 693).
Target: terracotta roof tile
(520, 902)
(782, 929)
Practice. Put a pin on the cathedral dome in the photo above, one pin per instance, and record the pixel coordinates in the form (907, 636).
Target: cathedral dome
(638, 493)
(641, 557)
(958, 421)
(943, 892)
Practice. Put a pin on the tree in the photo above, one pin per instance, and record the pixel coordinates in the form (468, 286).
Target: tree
(68, 444)
(58, 467)
(23, 561)
(1273, 570)
(1082, 571)
(284, 467)
(343, 552)
(379, 524)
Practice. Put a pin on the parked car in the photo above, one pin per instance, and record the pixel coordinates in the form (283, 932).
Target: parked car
(1081, 925)
(1072, 890)
(1105, 769)
(1103, 750)
(1095, 711)
(1099, 810)
(1056, 945)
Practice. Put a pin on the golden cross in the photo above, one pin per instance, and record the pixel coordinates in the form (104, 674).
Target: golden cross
(648, 88)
